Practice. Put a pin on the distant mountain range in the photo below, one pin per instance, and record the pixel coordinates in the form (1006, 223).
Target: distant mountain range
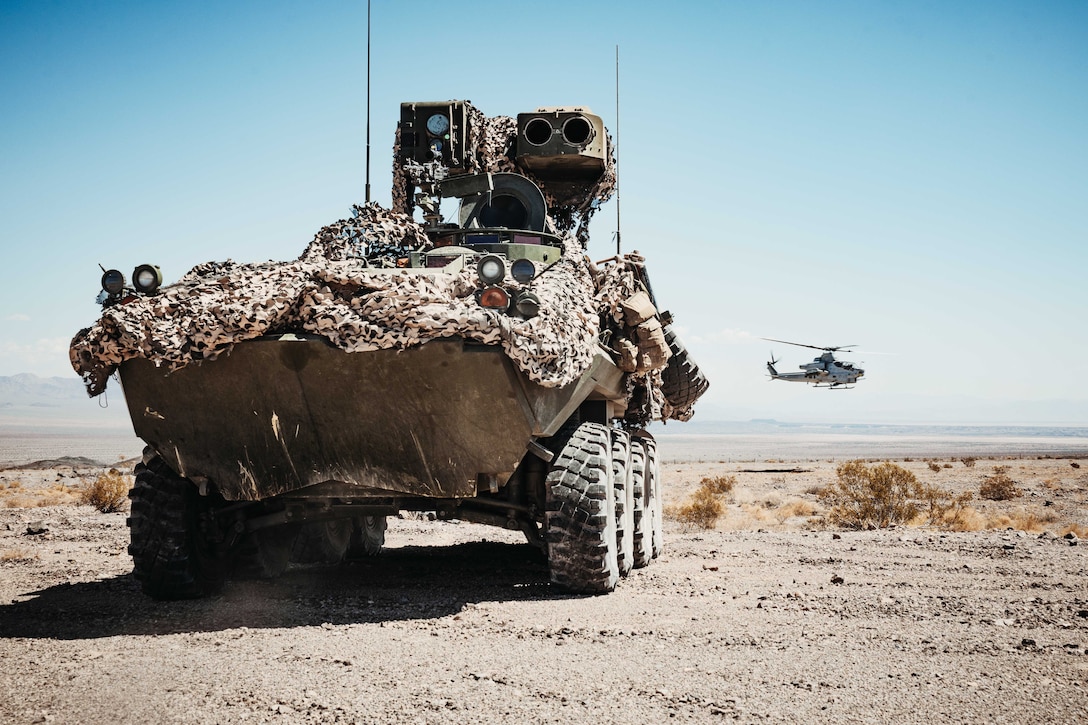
(771, 427)
(29, 389)
(27, 399)
(903, 408)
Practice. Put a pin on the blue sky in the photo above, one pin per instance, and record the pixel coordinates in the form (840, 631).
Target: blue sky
(909, 177)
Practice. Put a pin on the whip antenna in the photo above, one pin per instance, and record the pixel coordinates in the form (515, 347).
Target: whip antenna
(367, 101)
(617, 150)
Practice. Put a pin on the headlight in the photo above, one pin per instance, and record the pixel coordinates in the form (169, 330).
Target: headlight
(113, 282)
(528, 304)
(523, 270)
(495, 298)
(146, 278)
(491, 268)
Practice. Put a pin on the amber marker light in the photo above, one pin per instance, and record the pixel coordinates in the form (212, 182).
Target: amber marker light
(495, 298)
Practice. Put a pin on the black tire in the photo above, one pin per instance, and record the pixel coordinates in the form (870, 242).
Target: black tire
(322, 542)
(367, 537)
(580, 515)
(655, 504)
(682, 382)
(625, 501)
(173, 549)
(265, 553)
(642, 538)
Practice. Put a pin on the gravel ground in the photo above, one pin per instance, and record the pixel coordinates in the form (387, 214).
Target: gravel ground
(458, 623)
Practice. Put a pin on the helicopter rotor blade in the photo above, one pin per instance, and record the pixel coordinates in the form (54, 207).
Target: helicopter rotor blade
(798, 344)
(814, 347)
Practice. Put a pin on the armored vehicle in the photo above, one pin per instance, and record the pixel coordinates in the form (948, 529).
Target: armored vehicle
(480, 368)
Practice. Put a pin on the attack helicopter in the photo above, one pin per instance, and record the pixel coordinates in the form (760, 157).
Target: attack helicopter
(823, 372)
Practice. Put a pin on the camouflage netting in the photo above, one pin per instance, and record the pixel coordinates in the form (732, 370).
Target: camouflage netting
(334, 291)
(342, 288)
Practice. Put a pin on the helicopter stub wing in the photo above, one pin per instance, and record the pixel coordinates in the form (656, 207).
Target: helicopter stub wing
(811, 377)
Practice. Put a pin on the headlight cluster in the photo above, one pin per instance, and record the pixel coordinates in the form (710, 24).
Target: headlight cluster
(492, 270)
(146, 279)
(113, 282)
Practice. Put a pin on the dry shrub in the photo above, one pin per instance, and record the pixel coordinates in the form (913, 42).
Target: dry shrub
(770, 501)
(59, 495)
(999, 487)
(963, 518)
(721, 485)
(1024, 520)
(886, 494)
(755, 513)
(794, 507)
(1081, 532)
(864, 497)
(944, 509)
(703, 510)
(108, 493)
(935, 467)
(15, 495)
(969, 519)
(707, 504)
(744, 518)
(1032, 520)
(946, 465)
(968, 461)
(18, 555)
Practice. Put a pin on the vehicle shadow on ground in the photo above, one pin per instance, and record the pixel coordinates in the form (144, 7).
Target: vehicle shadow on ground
(407, 583)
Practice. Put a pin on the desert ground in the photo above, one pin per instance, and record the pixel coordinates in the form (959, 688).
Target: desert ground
(775, 614)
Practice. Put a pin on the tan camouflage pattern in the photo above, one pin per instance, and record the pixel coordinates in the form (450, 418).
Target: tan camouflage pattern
(332, 291)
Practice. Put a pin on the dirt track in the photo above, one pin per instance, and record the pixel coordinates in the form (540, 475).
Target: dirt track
(443, 627)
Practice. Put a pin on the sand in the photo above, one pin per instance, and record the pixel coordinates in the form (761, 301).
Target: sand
(773, 615)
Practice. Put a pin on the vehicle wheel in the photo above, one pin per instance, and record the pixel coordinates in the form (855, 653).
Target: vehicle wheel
(642, 523)
(265, 553)
(367, 537)
(682, 382)
(655, 504)
(175, 554)
(322, 542)
(580, 513)
(625, 501)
